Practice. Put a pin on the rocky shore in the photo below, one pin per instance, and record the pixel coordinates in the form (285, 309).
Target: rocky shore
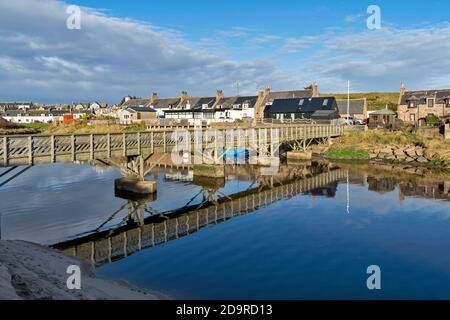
(408, 154)
(30, 271)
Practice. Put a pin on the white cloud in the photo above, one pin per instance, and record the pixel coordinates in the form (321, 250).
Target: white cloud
(108, 58)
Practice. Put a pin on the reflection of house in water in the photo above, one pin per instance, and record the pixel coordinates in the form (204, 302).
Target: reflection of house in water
(431, 190)
(381, 185)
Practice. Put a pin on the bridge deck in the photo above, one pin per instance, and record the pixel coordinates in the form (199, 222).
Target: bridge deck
(32, 149)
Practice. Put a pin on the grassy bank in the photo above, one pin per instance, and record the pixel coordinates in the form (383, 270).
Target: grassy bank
(360, 142)
(375, 100)
(347, 154)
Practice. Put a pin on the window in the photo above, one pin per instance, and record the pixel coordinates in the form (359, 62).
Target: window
(301, 102)
(412, 104)
(325, 102)
(412, 117)
(430, 103)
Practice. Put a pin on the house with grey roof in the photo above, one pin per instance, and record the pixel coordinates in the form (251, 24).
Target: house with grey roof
(415, 106)
(269, 96)
(136, 114)
(355, 108)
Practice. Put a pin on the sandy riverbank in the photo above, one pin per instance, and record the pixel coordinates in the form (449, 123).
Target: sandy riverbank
(32, 271)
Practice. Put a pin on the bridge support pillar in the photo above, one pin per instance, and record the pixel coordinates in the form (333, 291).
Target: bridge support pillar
(299, 155)
(135, 186)
(209, 170)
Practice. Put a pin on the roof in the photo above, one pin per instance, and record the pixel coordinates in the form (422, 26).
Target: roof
(288, 95)
(421, 95)
(356, 106)
(230, 102)
(325, 114)
(141, 109)
(383, 112)
(136, 103)
(210, 101)
(302, 105)
(165, 103)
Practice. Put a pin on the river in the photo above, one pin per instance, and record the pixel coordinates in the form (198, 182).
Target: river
(305, 232)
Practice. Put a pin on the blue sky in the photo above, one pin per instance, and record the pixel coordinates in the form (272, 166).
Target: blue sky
(137, 47)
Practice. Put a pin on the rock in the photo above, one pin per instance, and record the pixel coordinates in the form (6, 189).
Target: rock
(410, 152)
(373, 156)
(401, 157)
(299, 155)
(409, 159)
(422, 160)
(399, 152)
(419, 151)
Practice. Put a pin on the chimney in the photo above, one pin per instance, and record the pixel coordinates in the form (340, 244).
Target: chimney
(154, 97)
(184, 95)
(315, 88)
(267, 91)
(260, 94)
(219, 95)
(402, 89)
(127, 98)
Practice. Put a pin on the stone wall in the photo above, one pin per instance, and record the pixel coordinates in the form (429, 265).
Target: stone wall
(409, 154)
(447, 131)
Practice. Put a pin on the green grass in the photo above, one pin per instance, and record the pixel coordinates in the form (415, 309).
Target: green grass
(347, 154)
(37, 126)
(375, 100)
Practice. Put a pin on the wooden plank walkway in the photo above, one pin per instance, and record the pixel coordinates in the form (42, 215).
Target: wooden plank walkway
(33, 149)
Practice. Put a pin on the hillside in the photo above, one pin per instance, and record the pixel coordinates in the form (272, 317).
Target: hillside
(375, 100)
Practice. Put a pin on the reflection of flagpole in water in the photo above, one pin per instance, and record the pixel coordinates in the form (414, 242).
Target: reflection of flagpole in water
(348, 195)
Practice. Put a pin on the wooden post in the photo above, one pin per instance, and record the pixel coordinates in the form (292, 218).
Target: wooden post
(108, 145)
(91, 143)
(124, 144)
(5, 151)
(139, 142)
(151, 142)
(73, 147)
(52, 149)
(164, 140)
(30, 150)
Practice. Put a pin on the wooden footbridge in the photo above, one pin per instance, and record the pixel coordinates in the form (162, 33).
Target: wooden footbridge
(139, 233)
(33, 149)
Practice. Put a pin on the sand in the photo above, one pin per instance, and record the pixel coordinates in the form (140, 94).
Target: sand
(30, 271)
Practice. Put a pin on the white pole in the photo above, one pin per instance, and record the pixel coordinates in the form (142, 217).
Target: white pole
(348, 100)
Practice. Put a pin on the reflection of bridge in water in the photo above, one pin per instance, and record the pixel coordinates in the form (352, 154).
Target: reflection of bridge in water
(139, 233)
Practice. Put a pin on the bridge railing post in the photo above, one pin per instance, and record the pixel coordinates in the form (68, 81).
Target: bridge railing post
(138, 137)
(124, 144)
(30, 150)
(5, 151)
(52, 149)
(73, 147)
(91, 146)
(108, 145)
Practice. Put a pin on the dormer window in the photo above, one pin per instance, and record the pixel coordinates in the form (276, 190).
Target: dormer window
(430, 103)
(412, 104)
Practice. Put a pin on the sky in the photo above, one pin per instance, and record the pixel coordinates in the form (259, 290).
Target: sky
(137, 47)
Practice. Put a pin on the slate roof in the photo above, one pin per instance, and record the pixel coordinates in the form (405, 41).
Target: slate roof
(301, 105)
(287, 95)
(421, 95)
(356, 106)
(166, 103)
(136, 103)
(141, 109)
(383, 112)
(229, 102)
(210, 101)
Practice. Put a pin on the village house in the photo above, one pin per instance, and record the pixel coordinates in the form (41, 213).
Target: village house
(317, 109)
(266, 98)
(136, 114)
(33, 116)
(357, 108)
(383, 118)
(16, 105)
(415, 106)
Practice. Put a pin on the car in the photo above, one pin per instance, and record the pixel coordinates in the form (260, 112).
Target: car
(348, 121)
(359, 122)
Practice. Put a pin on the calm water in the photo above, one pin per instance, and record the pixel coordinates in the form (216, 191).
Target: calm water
(304, 245)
